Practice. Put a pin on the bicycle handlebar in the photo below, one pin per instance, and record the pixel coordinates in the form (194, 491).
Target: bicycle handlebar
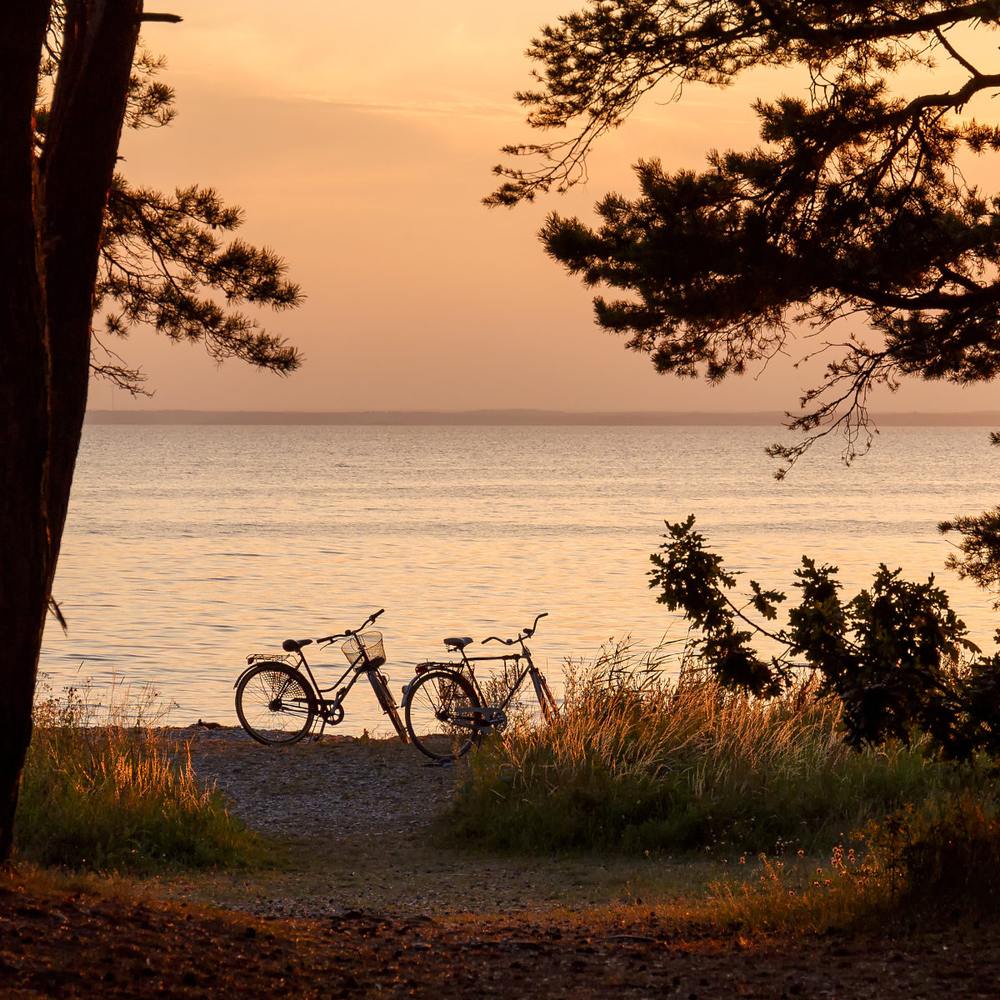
(525, 633)
(370, 620)
(528, 632)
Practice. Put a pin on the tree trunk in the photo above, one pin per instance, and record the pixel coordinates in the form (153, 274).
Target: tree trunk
(24, 400)
(50, 224)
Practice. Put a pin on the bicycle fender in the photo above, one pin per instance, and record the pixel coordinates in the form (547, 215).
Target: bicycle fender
(406, 691)
(256, 664)
(405, 694)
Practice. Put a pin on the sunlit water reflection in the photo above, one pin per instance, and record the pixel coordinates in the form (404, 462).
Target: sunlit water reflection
(189, 547)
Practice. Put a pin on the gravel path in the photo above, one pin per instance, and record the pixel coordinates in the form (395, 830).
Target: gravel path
(361, 786)
(352, 817)
(392, 917)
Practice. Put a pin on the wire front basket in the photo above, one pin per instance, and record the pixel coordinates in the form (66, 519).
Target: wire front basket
(365, 646)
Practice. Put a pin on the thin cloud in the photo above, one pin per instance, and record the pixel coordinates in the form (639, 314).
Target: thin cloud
(434, 109)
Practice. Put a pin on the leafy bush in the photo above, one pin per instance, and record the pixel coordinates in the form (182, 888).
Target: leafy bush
(895, 657)
(100, 791)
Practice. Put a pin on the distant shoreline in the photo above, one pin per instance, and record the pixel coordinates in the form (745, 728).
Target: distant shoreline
(518, 418)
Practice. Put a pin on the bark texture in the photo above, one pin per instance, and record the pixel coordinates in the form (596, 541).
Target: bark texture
(51, 205)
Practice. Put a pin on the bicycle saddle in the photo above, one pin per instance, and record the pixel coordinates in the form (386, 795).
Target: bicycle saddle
(457, 643)
(293, 646)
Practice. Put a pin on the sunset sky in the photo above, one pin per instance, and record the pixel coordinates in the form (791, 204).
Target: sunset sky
(359, 140)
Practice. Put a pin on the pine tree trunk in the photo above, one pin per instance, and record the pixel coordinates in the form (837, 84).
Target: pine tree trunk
(24, 392)
(50, 225)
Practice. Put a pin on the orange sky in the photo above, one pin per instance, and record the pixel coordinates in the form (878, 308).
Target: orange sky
(359, 140)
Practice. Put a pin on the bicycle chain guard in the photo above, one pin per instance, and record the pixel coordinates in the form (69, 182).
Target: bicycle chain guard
(333, 715)
(496, 721)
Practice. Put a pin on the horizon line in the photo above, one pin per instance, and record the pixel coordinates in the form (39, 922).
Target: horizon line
(521, 417)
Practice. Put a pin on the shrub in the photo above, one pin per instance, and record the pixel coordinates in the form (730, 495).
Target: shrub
(944, 856)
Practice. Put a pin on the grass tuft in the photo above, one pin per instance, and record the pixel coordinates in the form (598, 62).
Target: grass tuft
(638, 762)
(100, 791)
(943, 857)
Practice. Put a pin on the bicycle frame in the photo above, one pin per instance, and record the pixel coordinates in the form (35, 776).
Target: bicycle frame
(528, 669)
(331, 710)
(291, 688)
(495, 717)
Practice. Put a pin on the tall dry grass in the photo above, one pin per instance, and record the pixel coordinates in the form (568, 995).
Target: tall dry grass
(102, 790)
(639, 761)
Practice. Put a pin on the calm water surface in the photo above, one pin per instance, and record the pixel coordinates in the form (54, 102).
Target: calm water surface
(189, 547)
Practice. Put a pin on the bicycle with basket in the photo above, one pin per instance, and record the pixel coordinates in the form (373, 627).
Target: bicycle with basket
(444, 705)
(278, 698)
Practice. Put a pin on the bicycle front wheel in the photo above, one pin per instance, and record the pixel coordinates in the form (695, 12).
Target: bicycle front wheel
(386, 701)
(442, 714)
(275, 703)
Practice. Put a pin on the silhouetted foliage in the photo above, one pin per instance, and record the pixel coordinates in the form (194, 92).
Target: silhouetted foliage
(896, 655)
(853, 205)
(980, 549)
(163, 261)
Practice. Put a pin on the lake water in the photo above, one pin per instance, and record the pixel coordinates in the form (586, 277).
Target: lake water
(189, 547)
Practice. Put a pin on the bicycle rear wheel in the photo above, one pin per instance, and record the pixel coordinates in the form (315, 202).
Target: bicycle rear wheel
(441, 714)
(386, 702)
(275, 703)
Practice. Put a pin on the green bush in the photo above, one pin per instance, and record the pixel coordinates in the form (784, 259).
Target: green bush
(99, 791)
(944, 856)
(637, 762)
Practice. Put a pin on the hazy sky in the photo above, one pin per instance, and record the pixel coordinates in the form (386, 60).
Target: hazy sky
(359, 140)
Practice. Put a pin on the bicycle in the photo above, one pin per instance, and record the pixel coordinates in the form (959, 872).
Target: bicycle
(444, 706)
(278, 697)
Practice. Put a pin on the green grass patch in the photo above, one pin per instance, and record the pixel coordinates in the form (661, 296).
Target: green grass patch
(102, 791)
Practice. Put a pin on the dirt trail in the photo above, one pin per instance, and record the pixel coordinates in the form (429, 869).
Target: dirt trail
(354, 818)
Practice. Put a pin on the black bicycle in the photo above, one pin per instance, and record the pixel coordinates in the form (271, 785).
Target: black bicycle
(278, 697)
(444, 705)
